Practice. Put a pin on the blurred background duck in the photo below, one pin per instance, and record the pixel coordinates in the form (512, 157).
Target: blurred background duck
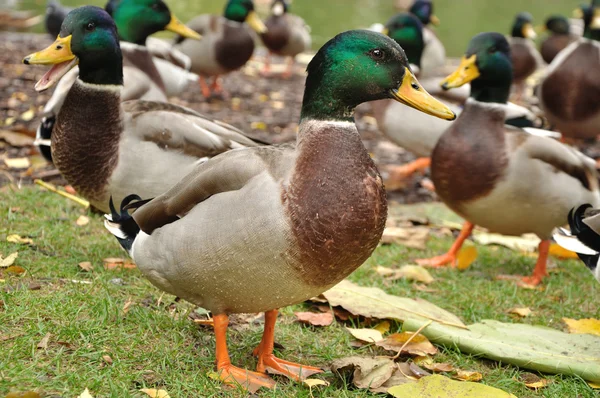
(227, 42)
(559, 37)
(524, 56)
(583, 237)
(434, 54)
(198, 242)
(136, 20)
(483, 169)
(55, 14)
(570, 92)
(287, 35)
(105, 148)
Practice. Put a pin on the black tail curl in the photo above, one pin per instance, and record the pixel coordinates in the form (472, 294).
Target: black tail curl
(584, 233)
(121, 223)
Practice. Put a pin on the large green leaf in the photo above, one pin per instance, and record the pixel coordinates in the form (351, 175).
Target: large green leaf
(437, 386)
(530, 347)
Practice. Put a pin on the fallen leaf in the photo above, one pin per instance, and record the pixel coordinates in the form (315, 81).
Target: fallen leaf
(401, 375)
(522, 312)
(439, 367)
(417, 370)
(154, 393)
(107, 359)
(17, 239)
(82, 221)
(127, 306)
(414, 237)
(28, 115)
(410, 272)
(557, 250)
(595, 386)
(86, 266)
(315, 382)
(383, 327)
(367, 372)
(15, 270)
(465, 257)
(367, 335)
(17, 163)
(589, 326)
(419, 345)
(372, 302)
(9, 260)
(438, 386)
(316, 319)
(15, 139)
(43, 344)
(117, 263)
(26, 394)
(466, 375)
(534, 381)
(85, 394)
(524, 243)
(424, 288)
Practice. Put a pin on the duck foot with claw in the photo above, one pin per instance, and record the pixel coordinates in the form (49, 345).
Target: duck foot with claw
(450, 257)
(267, 362)
(539, 272)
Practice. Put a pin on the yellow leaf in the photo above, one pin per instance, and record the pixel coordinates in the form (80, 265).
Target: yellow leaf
(465, 257)
(383, 327)
(595, 386)
(410, 272)
(9, 260)
(437, 386)
(82, 221)
(558, 251)
(522, 312)
(86, 266)
(589, 326)
(315, 382)
(368, 335)
(17, 239)
(414, 237)
(418, 345)
(466, 375)
(17, 163)
(258, 126)
(26, 394)
(15, 270)
(27, 115)
(154, 393)
(85, 394)
(538, 384)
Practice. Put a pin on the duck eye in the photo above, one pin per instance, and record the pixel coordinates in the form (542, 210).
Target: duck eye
(377, 54)
(90, 27)
(492, 50)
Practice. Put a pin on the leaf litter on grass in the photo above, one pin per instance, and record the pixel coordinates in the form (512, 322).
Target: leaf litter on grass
(438, 386)
(589, 326)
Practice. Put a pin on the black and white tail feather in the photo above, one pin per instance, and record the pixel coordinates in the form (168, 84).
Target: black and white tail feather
(121, 224)
(581, 239)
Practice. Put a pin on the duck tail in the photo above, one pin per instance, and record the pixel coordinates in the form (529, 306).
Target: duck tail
(121, 224)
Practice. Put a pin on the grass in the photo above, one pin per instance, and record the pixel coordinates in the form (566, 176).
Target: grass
(157, 346)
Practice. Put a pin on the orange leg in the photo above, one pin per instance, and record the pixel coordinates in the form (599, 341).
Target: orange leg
(450, 257)
(230, 374)
(266, 72)
(216, 86)
(397, 175)
(539, 272)
(204, 87)
(290, 67)
(268, 361)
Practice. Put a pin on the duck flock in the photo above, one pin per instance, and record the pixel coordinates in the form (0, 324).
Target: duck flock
(236, 225)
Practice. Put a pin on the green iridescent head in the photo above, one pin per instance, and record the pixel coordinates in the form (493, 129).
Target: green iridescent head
(243, 11)
(359, 66)
(423, 9)
(523, 26)
(487, 66)
(407, 31)
(591, 19)
(557, 24)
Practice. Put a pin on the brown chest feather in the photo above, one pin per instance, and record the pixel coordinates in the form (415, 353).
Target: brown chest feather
(336, 206)
(553, 45)
(524, 63)
(278, 33)
(236, 47)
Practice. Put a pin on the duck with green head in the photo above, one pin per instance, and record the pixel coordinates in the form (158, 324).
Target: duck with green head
(104, 147)
(434, 53)
(509, 180)
(558, 39)
(524, 56)
(226, 43)
(570, 92)
(287, 35)
(258, 229)
(145, 77)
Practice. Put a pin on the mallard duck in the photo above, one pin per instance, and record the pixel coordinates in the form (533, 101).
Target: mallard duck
(227, 43)
(560, 37)
(257, 229)
(135, 20)
(500, 177)
(104, 147)
(434, 54)
(287, 35)
(55, 14)
(569, 94)
(584, 236)
(525, 57)
(414, 130)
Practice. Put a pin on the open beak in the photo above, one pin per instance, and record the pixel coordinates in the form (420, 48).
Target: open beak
(255, 23)
(58, 54)
(595, 24)
(528, 31)
(412, 94)
(434, 20)
(176, 26)
(466, 72)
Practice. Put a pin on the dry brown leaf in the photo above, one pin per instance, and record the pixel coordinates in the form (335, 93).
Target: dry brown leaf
(466, 375)
(383, 327)
(522, 312)
(82, 221)
(18, 239)
(316, 319)
(410, 272)
(15, 139)
(589, 326)
(414, 237)
(534, 381)
(154, 393)
(419, 345)
(107, 359)
(15, 270)
(86, 266)
(367, 335)
(367, 372)
(85, 394)
(9, 260)
(417, 371)
(465, 257)
(127, 306)
(117, 263)
(43, 344)
(439, 367)
(17, 163)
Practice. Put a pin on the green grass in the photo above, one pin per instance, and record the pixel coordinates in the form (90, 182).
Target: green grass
(157, 346)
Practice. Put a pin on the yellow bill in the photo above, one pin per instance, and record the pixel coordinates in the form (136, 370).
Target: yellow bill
(255, 23)
(434, 20)
(58, 54)
(595, 24)
(466, 72)
(176, 26)
(385, 31)
(578, 13)
(528, 31)
(412, 94)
